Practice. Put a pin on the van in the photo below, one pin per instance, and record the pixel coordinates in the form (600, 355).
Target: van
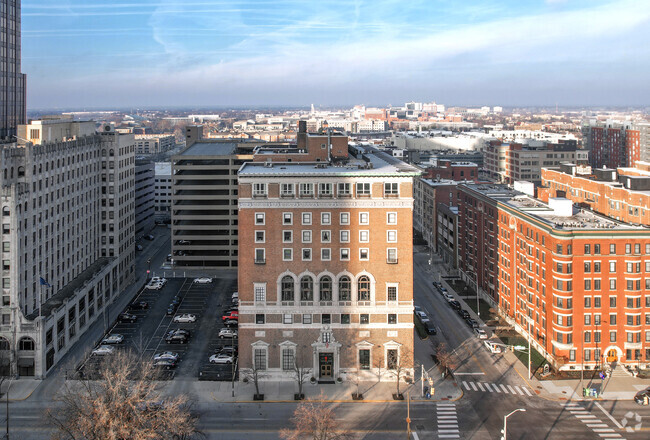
(494, 347)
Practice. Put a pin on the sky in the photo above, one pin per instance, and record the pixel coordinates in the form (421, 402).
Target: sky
(230, 53)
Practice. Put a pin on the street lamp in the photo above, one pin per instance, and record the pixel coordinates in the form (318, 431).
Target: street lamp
(505, 422)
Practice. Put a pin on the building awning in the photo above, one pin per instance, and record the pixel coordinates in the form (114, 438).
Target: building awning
(25, 362)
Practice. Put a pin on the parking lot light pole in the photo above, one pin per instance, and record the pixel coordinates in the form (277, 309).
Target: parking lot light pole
(505, 422)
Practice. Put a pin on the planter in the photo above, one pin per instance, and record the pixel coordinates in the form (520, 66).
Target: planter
(356, 396)
(312, 380)
(258, 396)
(298, 396)
(339, 380)
(245, 380)
(398, 396)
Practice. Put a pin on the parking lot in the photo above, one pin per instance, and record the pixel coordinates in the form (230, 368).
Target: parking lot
(146, 334)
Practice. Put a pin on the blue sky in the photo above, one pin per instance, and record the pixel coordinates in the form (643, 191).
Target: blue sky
(130, 53)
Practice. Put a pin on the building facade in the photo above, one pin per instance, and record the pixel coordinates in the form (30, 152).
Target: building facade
(612, 144)
(144, 198)
(154, 143)
(13, 82)
(68, 241)
(428, 195)
(326, 266)
(574, 283)
(163, 191)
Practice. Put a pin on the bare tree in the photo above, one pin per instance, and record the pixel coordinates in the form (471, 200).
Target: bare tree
(445, 358)
(314, 420)
(403, 366)
(378, 363)
(124, 402)
(301, 372)
(355, 378)
(255, 375)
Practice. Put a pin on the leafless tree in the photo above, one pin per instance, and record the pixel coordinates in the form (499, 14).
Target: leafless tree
(301, 372)
(355, 378)
(123, 402)
(254, 375)
(445, 358)
(378, 363)
(403, 365)
(314, 420)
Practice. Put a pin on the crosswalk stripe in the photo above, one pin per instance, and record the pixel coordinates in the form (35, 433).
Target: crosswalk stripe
(511, 389)
(610, 435)
(603, 430)
(473, 386)
(519, 390)
(585, 416)
(449, 436)
(496, 388)
(489, 388)
(465, 385)
(480, 386)
(597, 425)
(503, 387)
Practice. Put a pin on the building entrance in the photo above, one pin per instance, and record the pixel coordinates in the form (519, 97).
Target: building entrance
(325, 362)
(612, 356)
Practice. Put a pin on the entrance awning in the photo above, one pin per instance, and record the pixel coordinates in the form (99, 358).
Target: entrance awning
(25, 362)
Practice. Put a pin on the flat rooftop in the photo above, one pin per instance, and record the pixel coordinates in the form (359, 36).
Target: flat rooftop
(377, 164)
(210, 148)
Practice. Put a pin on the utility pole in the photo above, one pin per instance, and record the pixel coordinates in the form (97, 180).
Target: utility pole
(408, 417)
(504, 431)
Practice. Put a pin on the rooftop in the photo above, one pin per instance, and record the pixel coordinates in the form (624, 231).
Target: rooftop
(210, 148)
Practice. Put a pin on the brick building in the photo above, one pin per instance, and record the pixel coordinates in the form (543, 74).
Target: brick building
(450, 170)
(326, 265)
(575, 283)
(615, 144)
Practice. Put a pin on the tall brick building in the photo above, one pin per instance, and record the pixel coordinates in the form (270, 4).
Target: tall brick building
(326, 264)
(575, 283)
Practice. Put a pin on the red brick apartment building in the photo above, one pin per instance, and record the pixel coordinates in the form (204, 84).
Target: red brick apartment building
(622, 194)
(459, 171)
(613, 144)
(574, 282)
(326, 265)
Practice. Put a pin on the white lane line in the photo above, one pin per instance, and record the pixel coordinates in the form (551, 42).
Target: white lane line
(511, 389)
(448, 436)
(480, 386)
(610, 435)
(468, 374)
(585, 416)
(503, 387)
(609, 415)
(519, 390)
(449, 430)
(415, 436)
(473, 386)
(465, 385)
(489, 388)
(597, 425)
(496, 388)
(603, 430)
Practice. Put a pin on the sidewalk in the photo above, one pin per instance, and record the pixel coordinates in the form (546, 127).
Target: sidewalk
(19, 389)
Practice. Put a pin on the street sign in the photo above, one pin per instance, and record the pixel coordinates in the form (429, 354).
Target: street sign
(519, 347)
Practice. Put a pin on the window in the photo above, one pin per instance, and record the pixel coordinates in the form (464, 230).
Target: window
(306, 218)
(587, 266)
(306, 289)
(260, 292)
(325, 189)
(612, 319)
(344, 236)
(391, 236)
(259, 218)
(587, 319)
(344, 190)
(325, 236)
(345, 254)
(391, 293)
(287, 218)
(364, 318)
(325, 218)
(363, 254)
(259, 236)
(637, 248)
(306, 236)
(287, 318)
(287, 359)
(287, 288)
(345, 286)
(345, 318)
(612, 266)
(363, 236)
(391, 218)
(391, 189)
(325, 254)
(363, 189)
(260, 256)
(259, 190)
(587, 284)
(612, 284)
(259, 318)
(287, 190)
(287, 254)
(306, 318)
(306, 254)
(612, 249)
(392, 318)
(306, 190)
(363, 218)
(597, 301)
(326, 318)
(587, 249)
(287, 236)
(363, 288)
(364, 359)
(597, 286)
(587, 336)
(587, 302)
(325, 293)
(345, 218)
(628, 248)
(597, 249)
(391, 255)
(612, 336)
(260, 358)
(391, 359)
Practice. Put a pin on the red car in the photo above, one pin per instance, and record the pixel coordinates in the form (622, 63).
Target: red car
(232, 315)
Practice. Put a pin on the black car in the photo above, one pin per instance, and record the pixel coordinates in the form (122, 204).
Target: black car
(171, 310)
(464, 314)
(127, 317)
(149, 237)
(429, 328)
(177, 339)
(228, 350)
(232, 323)
(167, 364)
(455, 305)
(140, 305)
(471, 322)
(179, 331)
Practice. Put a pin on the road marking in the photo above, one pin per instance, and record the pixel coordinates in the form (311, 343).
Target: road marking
(609, 415)
(511, 389)
(468, 374)
(496, 388)
(473, 386)
(597, 425)
(519, 390)
(585, 416)
(480, 386)
(415, 436)
(603, 430)
(526, 391)
(447, 420)
(465, 385)
(503, 387)
(489, 388)
(610, 435)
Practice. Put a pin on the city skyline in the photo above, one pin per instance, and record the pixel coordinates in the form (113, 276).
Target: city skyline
(215, 53)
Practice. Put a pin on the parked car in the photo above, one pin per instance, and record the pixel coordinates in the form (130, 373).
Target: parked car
(227, 333)
(221, 358)
(113, 339)
(480, 333)
(232, 315)
(127, 317)
(171, 309)
(169, 257)
(154, 286)
(417, 309)
(494, 347)
(471, 322)
(103, 350)
(228, 349)
(139, 305)
(167, 364)
(185, 317)
(176, 300)
(149, 237)
(447, 296)
(422, 317)
(180, 331)
(464, 314)
(183, 242)
(235, 295)
(176, 339)
(455, 305)
(429, 328)
(203, 280)
(231, 323)
(159, 280)
(138, 247)
(643, 397)
(167, 355)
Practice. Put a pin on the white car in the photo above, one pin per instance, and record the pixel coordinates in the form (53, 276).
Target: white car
(186, 317)
(227, 333)
(417, 309)
(448, 297)
(103, 350)
(154, 286)
(423, 316)
(221, 359)
(172, 356)
(203, 280)
(163, 281)
(494, 347)
(113, 339)
(480, 333)
(235, 295)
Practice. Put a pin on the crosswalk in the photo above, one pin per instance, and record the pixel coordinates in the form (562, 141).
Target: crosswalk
(591, 421)
(447, 420)
(496, 388)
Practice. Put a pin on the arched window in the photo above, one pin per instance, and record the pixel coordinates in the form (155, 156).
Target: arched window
(287, 288)
(111, 153)
(26, 344)
(4, 344)
(6, 211)
(364, 288)
(104, 152)
(325, 289)
(344, 289)
(306, 288)
(21, 171)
